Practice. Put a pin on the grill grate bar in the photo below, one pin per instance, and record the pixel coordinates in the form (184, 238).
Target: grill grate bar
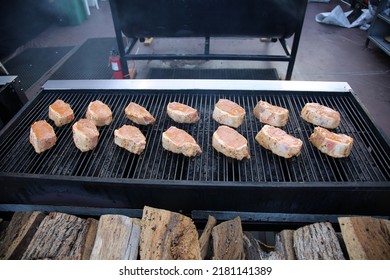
(314, 156)
(368, 161)
(19, 158)
(364, 174)
(380, 156)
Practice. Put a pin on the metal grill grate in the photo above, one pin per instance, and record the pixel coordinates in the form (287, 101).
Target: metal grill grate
(368, 162)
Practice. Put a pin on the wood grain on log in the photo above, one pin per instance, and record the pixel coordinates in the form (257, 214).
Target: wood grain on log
(317, 242)
(228, 243)
(204, 240)
(284, 243)
(167, 235)
(92, 226)
(117, 238)
(19, 233)
(59, 237)
(366, 238)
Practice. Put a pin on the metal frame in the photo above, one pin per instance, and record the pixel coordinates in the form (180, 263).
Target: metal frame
(187, 84)
(125, 55)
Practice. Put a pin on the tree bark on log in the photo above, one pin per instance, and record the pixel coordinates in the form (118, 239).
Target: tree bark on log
(284, 247)
(228, 243)
(167, 235)
(317, 242)
(59, 237)
(19, 233)
(204, 240)
(117, 238)
(366, 238)
(252, 248)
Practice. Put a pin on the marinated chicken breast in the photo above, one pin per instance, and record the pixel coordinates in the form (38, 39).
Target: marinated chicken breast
(42, 136)
(330, 143)
(320, 115)
(138, 114)
(85, 135)
(229, 142)
(99, 113)
(228, 113)
(61, 113)
(180, 142)
(130, 138)
(279, 142)
(182, 113)
(270, 114)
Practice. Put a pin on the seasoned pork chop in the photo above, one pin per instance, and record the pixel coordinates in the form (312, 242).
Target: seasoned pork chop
(270, 114)
(99, 113)
(138, 114)
(228, 113)
(178, 141)
(279, 142)
(42, 136)
(320, 115)
(182, 113)
(229, 142)
(130, 138)
(85, 135)
(330, 143)
(61, 113)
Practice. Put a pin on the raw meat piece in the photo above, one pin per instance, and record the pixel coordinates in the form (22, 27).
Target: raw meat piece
(42, 136)
(182, 113)
(320, 115)
(229, 142)
(61, 113)
(99, 113)
(330, 143)
(270, 114)
(85, 135)
(228, 113)
(178, 141)
(279, 142)
(138, 114)
(130, 138)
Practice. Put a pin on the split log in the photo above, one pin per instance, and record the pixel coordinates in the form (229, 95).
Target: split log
(252, 248)
(317, 242)
(19, 233)
(117, 238)
(366, 238)
(167, 235)
(284, 247)
(59, 237)
(284, 243)
(228, 243)
(204, 240)
(92, 226)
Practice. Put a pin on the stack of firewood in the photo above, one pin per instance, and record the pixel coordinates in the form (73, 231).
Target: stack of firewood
(166, 235)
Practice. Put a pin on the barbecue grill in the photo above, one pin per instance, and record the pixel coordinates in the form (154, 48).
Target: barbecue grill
(111, 177)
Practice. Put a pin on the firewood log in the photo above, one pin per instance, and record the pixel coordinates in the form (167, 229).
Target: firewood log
(366, 238)
(117, 238)
(167, 235)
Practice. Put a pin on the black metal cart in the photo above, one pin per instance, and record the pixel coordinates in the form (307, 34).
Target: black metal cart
(275, 19)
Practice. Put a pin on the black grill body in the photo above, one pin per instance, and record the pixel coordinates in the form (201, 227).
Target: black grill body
(111, 177)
